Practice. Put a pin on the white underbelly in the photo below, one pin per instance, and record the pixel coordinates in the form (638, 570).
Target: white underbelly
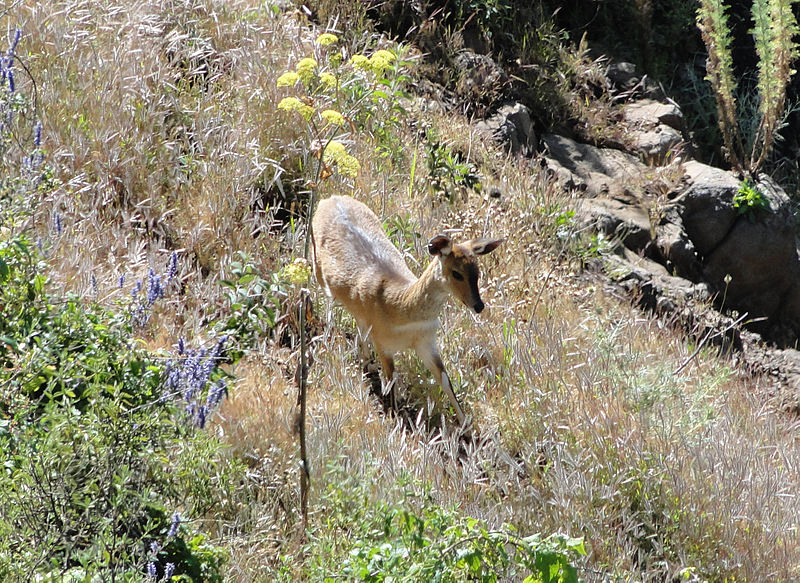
(406, 336)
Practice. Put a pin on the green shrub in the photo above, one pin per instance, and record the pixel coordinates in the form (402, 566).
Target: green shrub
(88, 439)
(417, 539)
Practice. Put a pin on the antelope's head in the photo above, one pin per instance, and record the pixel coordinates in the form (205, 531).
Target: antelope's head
(460, 266)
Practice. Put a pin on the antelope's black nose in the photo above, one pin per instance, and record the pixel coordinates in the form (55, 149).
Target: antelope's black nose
(478, 307)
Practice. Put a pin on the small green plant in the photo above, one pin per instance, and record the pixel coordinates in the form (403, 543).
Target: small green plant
(254, 304)
(774, 29)
(450, 173)
(439, 545)
(749, 199)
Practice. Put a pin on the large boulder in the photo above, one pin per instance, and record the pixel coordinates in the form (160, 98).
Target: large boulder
(749, 257)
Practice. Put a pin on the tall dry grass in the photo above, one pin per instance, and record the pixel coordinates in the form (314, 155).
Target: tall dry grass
(161, 125)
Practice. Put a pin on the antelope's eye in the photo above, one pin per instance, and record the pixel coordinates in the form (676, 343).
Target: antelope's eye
(457, 276)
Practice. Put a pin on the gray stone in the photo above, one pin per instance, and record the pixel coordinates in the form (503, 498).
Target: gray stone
(656, 144)
(708, 212)
(604, 171)
(623, 76)
(512, 126)
(650, 112)
(478, 76)
(627, 222)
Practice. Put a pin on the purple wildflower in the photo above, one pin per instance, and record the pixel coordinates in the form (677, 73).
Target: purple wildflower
(202, 413)
(37, 134)
(137, 287)
(169, 569)
(57, 223)
(151, 570)
(173, 527)
(154, 288)
(14, 43)
(181, 346)
(10, 77)
(215, 394)
(121, 281)
(172, 267)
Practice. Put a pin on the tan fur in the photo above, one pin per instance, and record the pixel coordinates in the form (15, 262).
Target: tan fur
(359, 267)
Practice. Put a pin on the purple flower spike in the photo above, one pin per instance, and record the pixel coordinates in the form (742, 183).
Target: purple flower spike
(17, 36)
(172, 266)
(173, 527)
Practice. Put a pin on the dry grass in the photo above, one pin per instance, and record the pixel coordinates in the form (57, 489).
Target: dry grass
(160, 123)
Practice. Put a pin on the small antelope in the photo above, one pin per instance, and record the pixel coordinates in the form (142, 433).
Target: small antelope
(358, 265)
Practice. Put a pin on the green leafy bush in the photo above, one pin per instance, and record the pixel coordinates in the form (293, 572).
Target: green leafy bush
(88, 439)
(419, 540)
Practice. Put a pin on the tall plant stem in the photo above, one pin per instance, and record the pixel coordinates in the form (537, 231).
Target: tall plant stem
(302, 376)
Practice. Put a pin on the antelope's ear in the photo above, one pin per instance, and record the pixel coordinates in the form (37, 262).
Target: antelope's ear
(439, 245)
(484, 246)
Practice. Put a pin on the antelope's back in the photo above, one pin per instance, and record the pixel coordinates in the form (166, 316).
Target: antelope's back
(356, 259)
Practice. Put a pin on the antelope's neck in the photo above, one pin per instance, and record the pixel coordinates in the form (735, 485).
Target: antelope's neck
(425, 297)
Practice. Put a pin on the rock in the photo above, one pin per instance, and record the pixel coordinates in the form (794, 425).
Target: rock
(677, 250)
(655, 128)
(602, 170)
(479, 78)
(629, 223)
(708, 212)
(650, 112)
(512, 126)
(759, 254)
(623, 76)
(624, 79)
(656, 144)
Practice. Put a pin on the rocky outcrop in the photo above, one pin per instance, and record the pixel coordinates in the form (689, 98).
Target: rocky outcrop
(691, 226)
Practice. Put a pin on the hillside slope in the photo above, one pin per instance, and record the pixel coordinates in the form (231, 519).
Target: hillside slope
(166, 133)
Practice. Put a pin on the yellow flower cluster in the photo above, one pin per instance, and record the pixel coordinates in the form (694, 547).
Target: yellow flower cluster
(327, 79)
(336, 153)
(326, 39)
(305, 70)
(298, 271)
(382, 60)
(294, 104)
(333, 117)
(378, 63)
(288, 79)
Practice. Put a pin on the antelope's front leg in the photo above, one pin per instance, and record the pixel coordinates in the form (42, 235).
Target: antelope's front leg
(387, 365)
(433, 361)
